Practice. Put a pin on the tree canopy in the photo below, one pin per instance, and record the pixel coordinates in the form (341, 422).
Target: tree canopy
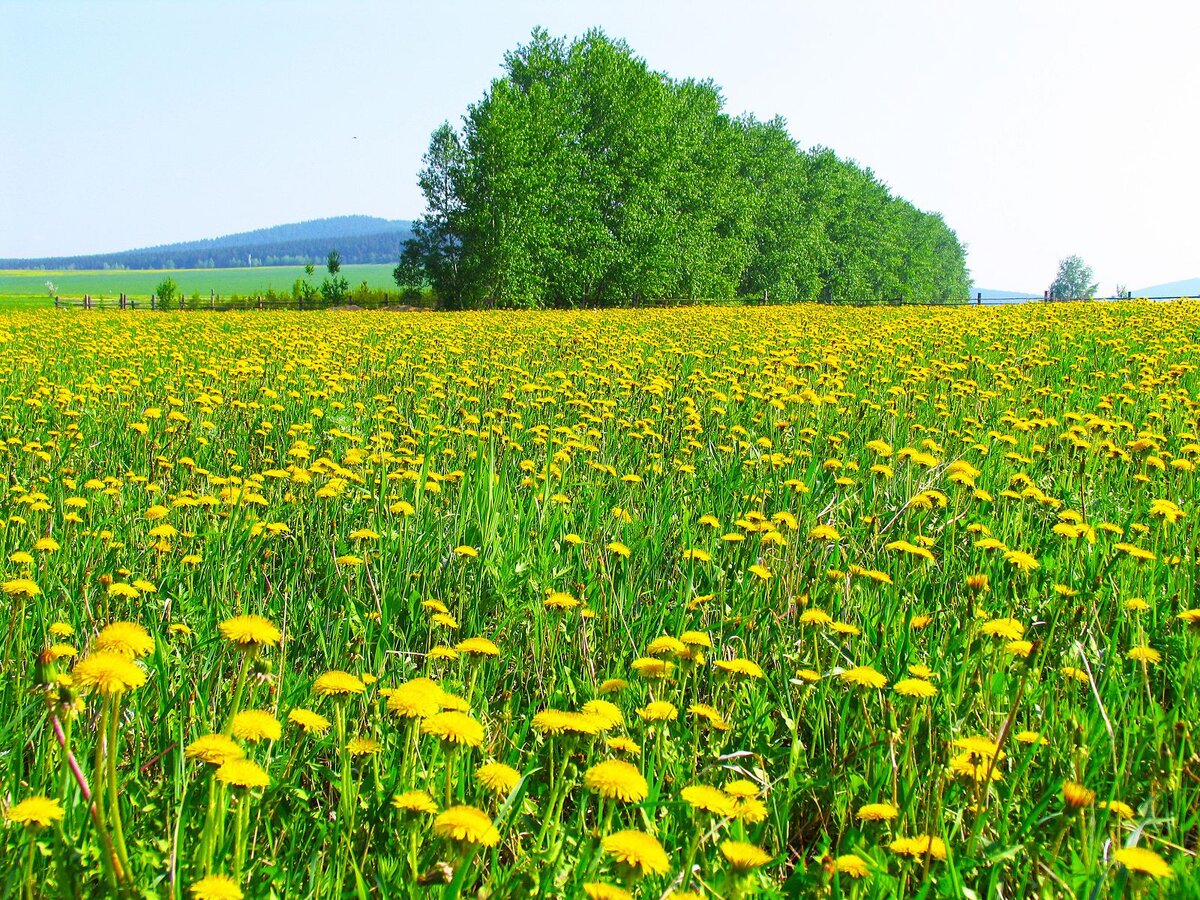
(584, 177)
(1073, 281)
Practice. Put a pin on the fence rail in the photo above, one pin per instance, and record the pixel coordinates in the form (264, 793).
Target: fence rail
(217, 303)
(220, 304)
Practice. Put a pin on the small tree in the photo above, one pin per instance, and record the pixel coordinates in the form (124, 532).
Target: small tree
(334, 263)
(1074, 281)
(166, 291)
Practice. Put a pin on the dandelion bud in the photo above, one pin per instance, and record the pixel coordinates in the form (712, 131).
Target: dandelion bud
(1076, 796)
(106, 579)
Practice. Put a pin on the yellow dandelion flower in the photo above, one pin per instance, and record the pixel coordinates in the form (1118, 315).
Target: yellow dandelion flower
(744, 857)
(1145, 654)
(109, 673)
(256, 725)
(215, 887)
(497, 778)
(466, 825)
(477, 646)
(598, 890)
(877, 812)
(1143, 861)
(363, 746)
(35, 812)
(308, 721)
(622, 744)
(243, 773)
(742, 667)
(659, 711)
(863, 676)
(914, 687)
(617, 779)
(708, 799)
(214, 749)
(414, 802)
(336, 683)
(650, 667)
(637, 851)
(710, 715)
(1008, 628)
(416, 699)
(126, 638)
(609, 712)
(1076, 796)
(1117, 808)
(851, 865)
(920, 845)
(249, 632)
(454, 728)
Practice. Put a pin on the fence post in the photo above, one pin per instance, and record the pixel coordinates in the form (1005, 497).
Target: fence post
(1046, 296)
(87, 301)
(121, 301)
(979, 298)
(56, 306)
(181, 301)
(212, 298)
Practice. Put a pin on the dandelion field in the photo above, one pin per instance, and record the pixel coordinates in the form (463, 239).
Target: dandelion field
(716, 602)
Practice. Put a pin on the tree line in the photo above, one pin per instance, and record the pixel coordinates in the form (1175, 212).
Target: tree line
(583, 177)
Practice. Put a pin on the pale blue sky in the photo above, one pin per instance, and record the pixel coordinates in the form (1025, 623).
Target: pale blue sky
(1038, 129)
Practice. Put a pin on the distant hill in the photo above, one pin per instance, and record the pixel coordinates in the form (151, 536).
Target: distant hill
(359, 239)
(1189, 287)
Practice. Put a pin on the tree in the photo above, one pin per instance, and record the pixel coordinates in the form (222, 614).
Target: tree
(583, 176)
(334, 262)
(1074, 281)
(166, 291)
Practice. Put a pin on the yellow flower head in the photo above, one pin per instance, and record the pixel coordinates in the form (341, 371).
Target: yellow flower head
(454, 728)
(616, 779)
(109, 673)
(214, 749)
(744, 857)
(708, 799)
(248, 632)
(35, 812)
(466, 825)
(215, 887)
(659, 711)
(337, 683)
(1143, 861)
(308, 721)
(497, 778)
(243, 773)
(416, 699)
(863, 676)
(638, 852)
(256, 725)
(126, 638)
(477, 646)
(414, 802)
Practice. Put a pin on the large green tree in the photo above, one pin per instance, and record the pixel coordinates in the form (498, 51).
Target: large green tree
(584, 177)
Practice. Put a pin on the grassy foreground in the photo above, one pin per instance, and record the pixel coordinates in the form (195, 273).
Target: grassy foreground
(138, 283)
(795, 601)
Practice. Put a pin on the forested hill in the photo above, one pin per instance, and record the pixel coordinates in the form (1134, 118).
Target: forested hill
(584, 176)
(359, 239)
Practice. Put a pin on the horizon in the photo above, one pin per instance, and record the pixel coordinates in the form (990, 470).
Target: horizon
(253, 135)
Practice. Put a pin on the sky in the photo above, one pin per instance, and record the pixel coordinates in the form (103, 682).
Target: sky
(1038, 129)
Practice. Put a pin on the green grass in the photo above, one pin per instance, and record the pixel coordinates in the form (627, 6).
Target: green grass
(945, 560)
(31, 284)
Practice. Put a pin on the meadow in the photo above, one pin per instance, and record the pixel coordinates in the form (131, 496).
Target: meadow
(715, 602)
(140, 283)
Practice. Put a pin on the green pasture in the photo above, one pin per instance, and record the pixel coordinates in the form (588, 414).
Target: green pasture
(30, 284)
